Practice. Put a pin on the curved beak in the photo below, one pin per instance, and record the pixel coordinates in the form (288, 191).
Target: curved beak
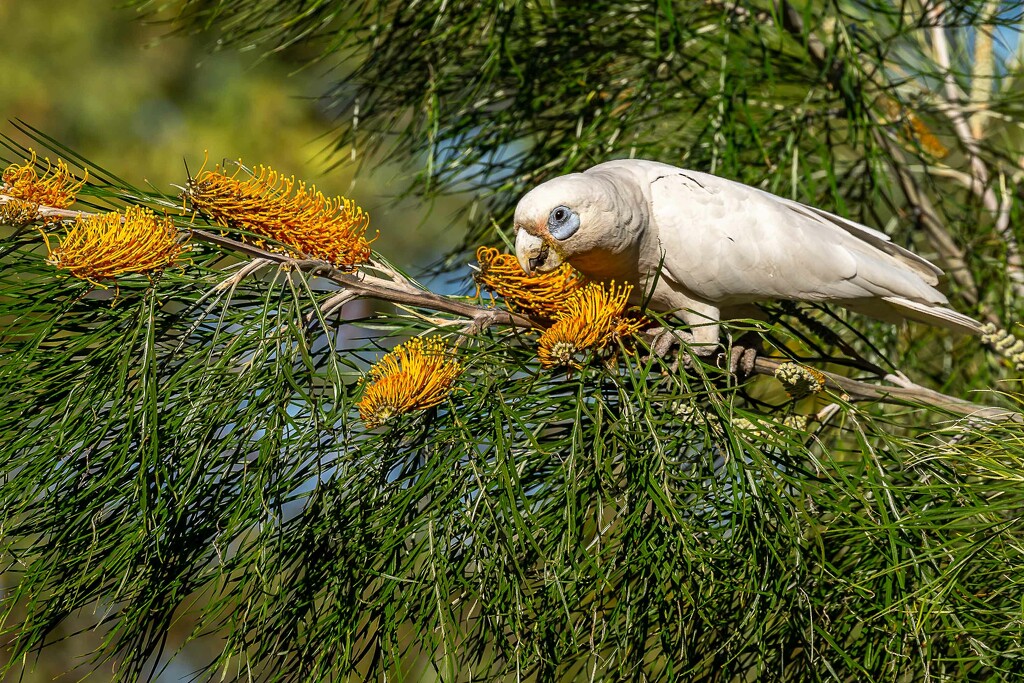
(534, 254)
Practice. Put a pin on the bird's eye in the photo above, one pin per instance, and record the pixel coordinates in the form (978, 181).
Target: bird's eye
(563, 222)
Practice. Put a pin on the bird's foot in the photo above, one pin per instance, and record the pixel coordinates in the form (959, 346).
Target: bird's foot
(743, 353)
(741, 360)
(663, 340)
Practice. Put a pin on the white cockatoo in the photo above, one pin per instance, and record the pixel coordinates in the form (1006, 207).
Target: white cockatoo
(711, 247)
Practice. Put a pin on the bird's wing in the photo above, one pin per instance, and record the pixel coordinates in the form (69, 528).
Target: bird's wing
(729, 242)
(928, 271)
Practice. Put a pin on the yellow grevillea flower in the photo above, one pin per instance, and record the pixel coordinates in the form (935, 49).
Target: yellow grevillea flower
(285, 210)
(111, 244)
(592, 318)
(542, 296)
(56, 188)
(416, 375)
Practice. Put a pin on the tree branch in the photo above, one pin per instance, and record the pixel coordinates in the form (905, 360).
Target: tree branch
(359, 282)
(363, 284)
(952, 257)
(982, 80)
(981, 187)
(907, 393)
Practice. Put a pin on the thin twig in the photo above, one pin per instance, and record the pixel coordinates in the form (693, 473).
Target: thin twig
(335, 302)
(242, 273)
(48, 211)
(981, 187)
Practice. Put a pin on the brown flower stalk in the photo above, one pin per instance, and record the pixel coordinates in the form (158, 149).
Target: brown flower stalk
(542, 296)
(414, 376)
(104, 246)
(56, 188)
(593, 318)
(284, 210)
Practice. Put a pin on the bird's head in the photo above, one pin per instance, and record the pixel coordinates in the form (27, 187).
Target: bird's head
(579, 218)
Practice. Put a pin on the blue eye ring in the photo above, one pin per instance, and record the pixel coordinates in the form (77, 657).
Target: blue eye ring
(563, 222)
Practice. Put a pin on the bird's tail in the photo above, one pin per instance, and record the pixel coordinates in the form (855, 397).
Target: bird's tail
(1001, 341)
(933, 314)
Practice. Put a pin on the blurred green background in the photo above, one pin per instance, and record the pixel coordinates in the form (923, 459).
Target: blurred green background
(124, 93)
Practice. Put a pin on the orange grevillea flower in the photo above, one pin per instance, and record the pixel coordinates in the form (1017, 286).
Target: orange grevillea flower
(107, 245)
(542, 296)
(27, 190)
(593, 318)
(416, 375)
(913, 128)
(285, 210)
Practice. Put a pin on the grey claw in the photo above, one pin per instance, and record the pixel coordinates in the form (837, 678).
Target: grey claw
(741, 360)
(662, 343)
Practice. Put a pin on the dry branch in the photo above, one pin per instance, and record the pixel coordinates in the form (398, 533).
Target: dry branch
(907, 393)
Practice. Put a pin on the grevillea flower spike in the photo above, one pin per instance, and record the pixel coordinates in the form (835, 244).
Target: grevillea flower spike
(27, 190)
(416, 375)
(593, 318)
(105, 246)
(542, 296)
(270, 205)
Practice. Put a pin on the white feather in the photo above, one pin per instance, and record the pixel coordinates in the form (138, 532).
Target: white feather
(703, 243)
